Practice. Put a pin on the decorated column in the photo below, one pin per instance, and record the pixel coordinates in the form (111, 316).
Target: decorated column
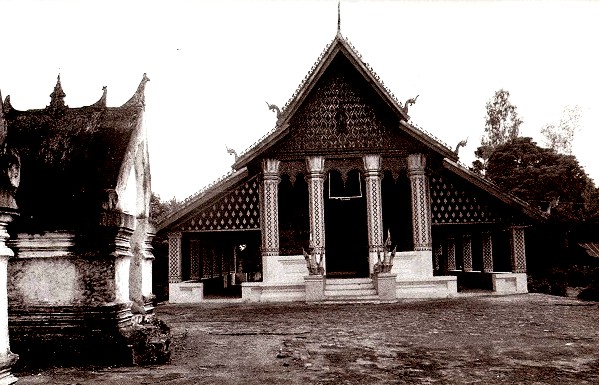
(315, 179)
(269, 216)
(437, 254)
(174, 257)
(451, 265)
(7, 358)
(421, 206)
(146, 286)
(517, 249)
(372, 167)
(487, 252)
(467, 252)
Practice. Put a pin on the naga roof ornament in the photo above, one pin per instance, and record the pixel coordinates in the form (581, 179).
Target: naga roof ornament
(138, 98)
(102, 101)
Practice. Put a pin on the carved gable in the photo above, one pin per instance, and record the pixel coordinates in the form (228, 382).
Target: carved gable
(343, 114)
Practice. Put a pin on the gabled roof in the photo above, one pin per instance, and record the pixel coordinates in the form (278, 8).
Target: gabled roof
(340, 45)
(202, 197)
(491, 188)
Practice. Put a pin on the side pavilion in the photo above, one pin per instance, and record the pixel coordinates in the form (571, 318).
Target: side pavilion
(346, 199)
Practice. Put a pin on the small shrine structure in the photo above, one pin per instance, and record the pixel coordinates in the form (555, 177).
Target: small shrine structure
(79, 255)
(346, 199)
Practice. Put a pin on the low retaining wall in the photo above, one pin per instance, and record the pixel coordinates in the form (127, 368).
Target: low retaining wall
(186, 292)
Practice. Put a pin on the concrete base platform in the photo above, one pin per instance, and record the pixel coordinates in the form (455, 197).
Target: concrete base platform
(186, 292)
(260, 292)
(510, 283)
(433, 287)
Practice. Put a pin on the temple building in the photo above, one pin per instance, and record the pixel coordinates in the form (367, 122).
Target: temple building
(346, 200)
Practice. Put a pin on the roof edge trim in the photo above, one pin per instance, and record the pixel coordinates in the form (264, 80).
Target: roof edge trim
(494, 190)
(209, 192)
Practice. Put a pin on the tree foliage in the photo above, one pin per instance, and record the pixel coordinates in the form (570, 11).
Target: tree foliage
(560, 136)
(502, 125)
(160, 209)
(551, 181)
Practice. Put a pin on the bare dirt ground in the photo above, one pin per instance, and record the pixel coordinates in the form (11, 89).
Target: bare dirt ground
(523, 339)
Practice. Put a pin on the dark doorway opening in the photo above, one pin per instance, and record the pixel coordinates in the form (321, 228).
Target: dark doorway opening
(346, 237)
(222, 261)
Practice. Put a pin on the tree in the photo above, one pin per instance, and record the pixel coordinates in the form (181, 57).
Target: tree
(502, 124)
(560, 137)
(553, 182)
(160, 209)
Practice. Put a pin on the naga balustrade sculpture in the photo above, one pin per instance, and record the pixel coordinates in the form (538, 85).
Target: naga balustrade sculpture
(313, 261)
(385, 263)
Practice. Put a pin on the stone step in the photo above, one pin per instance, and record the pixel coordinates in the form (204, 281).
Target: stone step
(343, 281)
(350, 293)
(353, 299)
(350, 288)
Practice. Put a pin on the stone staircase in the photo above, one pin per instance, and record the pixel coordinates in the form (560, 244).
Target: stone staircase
(354, 290)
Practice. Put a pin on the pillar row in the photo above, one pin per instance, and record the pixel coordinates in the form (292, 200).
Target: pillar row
(174, 257)
(421, 202)
(437, 255)
(467, 252)
(269, 215)
(487, 241)
(517, 249)
(7, 358)
(451, 264)
(374, 213)
(315, 178)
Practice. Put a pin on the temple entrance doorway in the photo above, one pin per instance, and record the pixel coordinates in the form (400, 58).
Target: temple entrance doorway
(346, 236)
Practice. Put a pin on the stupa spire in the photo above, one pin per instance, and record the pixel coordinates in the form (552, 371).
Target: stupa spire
(57, 96)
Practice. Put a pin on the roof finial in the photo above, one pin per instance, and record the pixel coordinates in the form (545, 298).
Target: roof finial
(339, 17)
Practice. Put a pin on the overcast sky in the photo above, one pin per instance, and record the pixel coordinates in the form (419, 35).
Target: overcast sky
(213, 64)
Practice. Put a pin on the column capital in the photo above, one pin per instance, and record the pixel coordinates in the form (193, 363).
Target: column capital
(416, 163)
(315, 165)
(270, 168)
(5, 219)
(517, 227)
(372, 163)
(174, 234)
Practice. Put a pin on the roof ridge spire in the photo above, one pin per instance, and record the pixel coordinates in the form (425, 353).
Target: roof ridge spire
(339, 17)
